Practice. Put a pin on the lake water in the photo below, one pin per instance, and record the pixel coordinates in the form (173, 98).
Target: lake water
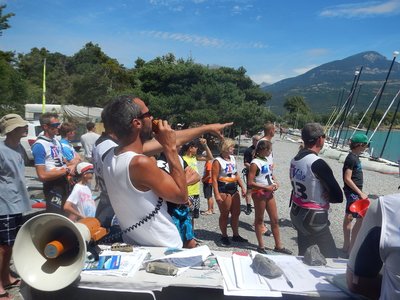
(392, 149)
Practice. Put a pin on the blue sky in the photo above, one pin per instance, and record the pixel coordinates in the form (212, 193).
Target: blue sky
(271, 39)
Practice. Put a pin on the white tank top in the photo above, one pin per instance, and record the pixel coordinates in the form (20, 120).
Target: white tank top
(131, 206)
(227, 168)
(308, 191)
(53, 152)
(265, 171)
(390, 245)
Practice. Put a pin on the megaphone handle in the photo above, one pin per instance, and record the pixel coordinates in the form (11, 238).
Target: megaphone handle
(94, 249)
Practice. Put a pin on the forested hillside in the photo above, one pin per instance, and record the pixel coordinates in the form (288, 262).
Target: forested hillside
(175, 89)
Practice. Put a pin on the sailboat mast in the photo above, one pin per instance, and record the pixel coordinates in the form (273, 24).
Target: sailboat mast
(391, 125)
(384, 115)
(395, 53)
(347, 106)
(365, 113)
(349, 113)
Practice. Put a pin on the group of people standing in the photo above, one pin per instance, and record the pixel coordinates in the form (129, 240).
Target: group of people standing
(149, 199)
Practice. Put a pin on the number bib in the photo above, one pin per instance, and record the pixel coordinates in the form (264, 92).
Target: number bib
(308, 192)
(265, 167)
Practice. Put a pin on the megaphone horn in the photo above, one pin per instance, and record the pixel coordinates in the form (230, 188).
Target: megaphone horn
(360, 206)
(50, 251)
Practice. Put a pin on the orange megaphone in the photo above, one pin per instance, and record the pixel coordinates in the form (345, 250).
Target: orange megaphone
(360, 206)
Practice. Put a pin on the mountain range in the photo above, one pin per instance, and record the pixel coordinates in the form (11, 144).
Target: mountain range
(329, 85)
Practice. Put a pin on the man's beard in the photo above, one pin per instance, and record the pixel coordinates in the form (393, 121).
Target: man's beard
(146, 134)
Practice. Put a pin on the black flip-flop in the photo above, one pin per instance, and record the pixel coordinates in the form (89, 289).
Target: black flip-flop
(4, 295)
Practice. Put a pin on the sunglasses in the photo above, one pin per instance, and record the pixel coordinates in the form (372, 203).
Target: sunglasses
(54, 125)
(145, 115)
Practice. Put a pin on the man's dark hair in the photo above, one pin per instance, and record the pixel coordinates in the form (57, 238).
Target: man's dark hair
(118, 114)
(185, 147)
(90, 126)
(262, 145)
(46, 117)
(65, 128)
(310, 133)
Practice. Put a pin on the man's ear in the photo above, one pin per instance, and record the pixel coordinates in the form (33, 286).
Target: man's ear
(137, 123)
(320, 142)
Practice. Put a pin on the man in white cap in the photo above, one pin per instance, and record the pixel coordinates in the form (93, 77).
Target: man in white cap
(14, 198)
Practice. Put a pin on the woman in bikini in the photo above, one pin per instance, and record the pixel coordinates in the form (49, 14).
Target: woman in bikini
(263, 185)
(225, 180)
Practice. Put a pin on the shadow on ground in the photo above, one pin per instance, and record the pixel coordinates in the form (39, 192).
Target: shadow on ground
(214, 237)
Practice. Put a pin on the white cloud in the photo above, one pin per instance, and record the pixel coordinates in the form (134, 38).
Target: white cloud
(363, 9)
(239, 9)
(267, 78)
(201, 40)
(302, 70)
(173, 5)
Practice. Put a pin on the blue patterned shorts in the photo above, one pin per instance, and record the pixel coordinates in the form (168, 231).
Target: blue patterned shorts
(9, 226)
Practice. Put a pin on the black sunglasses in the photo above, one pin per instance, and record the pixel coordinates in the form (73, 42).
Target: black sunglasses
(54, 125)
(145, 115)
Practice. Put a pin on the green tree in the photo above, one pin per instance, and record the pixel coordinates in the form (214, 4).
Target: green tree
(296, 104)
(186, 92)
(298, 111)
(58, 81)
(95, 76)
(4, 19)
(13, 89)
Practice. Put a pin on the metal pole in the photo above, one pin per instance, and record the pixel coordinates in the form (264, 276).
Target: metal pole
(390, 128)
(348, 114)
(395, 53)
(44, 88)
(365, 113)
(347, 106)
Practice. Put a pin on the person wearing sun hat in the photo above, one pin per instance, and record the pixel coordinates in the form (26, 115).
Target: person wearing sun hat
(14, 198)
(80, 203)
(353, 189)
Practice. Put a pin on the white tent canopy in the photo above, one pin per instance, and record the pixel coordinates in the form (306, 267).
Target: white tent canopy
(83, 113)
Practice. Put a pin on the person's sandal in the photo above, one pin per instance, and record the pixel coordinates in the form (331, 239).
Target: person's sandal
(268, 233)
(225, 241)
(283, 250)
(262, 250)
(239, 239)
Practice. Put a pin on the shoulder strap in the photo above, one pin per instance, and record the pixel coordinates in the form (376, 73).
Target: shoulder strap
(105, 153)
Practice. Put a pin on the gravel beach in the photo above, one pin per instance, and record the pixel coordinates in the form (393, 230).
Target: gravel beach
(207, 230)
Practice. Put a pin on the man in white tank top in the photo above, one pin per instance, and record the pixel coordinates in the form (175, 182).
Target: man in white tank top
(373, 267)
(136, 186)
